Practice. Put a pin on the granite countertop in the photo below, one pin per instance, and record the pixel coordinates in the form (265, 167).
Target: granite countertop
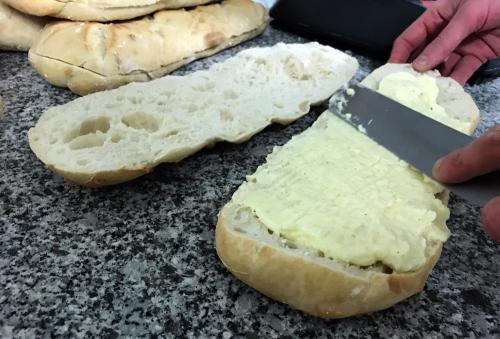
(139, 259)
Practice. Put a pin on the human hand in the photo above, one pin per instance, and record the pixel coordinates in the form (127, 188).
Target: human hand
(479, 157)
(459, 34)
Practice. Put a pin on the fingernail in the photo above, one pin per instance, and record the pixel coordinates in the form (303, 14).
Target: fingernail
(421, 63)
(437, 167)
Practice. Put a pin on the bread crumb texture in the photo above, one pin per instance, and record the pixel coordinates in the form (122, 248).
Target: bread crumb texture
(420, 93)
(334, 190)
(138, 126)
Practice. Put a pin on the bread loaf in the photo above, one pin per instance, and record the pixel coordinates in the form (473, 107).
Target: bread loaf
(110, 137)
(335, 225)
(458, 104)
(98, 56)
(98, 10)
(18, 31)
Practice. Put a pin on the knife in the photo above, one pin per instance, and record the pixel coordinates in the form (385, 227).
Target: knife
(413, 137)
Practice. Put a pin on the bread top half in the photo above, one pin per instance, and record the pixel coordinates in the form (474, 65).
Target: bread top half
(110, 137)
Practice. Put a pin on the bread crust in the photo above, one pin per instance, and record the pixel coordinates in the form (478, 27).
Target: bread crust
(18, 31)
(99, 57)
(314, 284)
(104, 178)
(169, 119)
(98, 10)
(308, 284)
(115, 177)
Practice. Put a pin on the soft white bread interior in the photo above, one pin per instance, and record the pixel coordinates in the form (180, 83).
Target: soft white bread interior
(339, 226)
(89, 57)
(111, 137)
(18, 31)
(98, 10)
(458, 104)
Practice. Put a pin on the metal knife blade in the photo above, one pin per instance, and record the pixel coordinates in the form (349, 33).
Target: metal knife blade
(414, 138)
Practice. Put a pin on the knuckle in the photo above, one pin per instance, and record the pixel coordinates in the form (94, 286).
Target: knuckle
(456, 159)
(440, 40)
(401, 41)
(459, 168)
(447, 171)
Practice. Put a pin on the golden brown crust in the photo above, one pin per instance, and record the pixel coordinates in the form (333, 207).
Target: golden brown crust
(101, 179)
(309, 285)
(18, 31)
(114, 177)
(99, 11)
(98, 57)
(316, 285)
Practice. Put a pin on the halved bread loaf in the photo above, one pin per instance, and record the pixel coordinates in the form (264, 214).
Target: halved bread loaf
(111, 137)
(304, 278)
(91, 57)
(98, 10)
(18, 31)
(335, 225)
(458, 104)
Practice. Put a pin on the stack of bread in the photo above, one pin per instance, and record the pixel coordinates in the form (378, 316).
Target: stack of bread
(95, 45)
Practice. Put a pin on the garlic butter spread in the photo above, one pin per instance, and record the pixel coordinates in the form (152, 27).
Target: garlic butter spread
(335, 190)
(420, 93)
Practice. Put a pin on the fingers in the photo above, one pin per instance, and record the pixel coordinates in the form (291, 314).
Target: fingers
(450, 63)
(405, 44)
(491, 218)
(427, 25)
(465, 68)
(479, 157)
(468, 57)
(462, 24)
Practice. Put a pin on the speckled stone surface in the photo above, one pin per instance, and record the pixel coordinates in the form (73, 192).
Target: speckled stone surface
(138, 259)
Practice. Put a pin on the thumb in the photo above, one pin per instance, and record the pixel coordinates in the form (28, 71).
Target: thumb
(479, 157)
(491, 218)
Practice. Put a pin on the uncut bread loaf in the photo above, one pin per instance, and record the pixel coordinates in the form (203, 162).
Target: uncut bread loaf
(110, 137)
(335, 225)
(98, 10)
(18, 31)
(91, 57)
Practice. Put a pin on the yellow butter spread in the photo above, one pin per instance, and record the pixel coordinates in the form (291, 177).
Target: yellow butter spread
(420, 93)
(334, 190)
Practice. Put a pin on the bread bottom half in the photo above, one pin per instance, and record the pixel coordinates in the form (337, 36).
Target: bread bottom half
(305, 280)
(302, 277)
